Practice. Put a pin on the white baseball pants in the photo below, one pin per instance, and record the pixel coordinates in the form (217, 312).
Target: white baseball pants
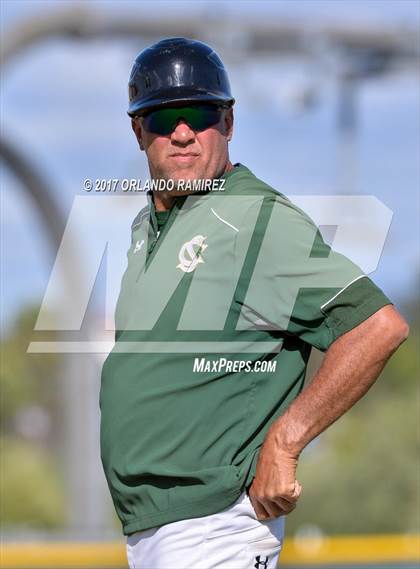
(231, 539)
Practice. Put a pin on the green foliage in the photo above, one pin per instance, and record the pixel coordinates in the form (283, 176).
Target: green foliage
(30, 483)
(24, 378)
(33, 494)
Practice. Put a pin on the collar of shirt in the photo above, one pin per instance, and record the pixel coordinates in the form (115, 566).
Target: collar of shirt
(179, 201)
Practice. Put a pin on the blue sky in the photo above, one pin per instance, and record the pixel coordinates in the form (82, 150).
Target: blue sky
(64, 103)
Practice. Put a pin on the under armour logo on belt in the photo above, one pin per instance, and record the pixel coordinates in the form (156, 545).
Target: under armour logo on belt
(260, 563)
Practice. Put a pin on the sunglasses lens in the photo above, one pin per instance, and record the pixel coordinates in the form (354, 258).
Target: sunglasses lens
(164, 121)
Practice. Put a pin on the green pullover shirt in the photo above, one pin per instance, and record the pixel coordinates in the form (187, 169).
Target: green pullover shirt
(223, 298)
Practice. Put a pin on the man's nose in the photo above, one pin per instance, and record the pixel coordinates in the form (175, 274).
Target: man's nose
(183, 133)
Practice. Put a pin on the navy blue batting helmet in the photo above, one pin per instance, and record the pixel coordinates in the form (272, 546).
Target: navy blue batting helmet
(177, 71)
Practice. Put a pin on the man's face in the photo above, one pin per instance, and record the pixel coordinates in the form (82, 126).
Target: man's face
(187, 154)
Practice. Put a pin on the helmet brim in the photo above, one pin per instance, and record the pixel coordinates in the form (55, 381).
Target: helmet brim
(177, 97)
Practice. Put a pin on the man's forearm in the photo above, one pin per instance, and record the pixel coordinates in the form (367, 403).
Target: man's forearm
(350, 367)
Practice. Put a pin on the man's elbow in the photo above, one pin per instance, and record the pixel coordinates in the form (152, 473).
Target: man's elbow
(401, 332)
(393, 327)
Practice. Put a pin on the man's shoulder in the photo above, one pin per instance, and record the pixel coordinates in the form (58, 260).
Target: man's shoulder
(140, 217)
(253, 193)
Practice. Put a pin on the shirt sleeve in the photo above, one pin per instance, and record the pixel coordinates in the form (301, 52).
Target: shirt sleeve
(290, 280)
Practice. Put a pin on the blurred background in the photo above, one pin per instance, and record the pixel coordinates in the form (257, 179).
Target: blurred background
(327, 104)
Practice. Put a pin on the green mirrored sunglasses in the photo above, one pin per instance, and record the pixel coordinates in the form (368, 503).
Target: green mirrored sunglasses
(198, 117)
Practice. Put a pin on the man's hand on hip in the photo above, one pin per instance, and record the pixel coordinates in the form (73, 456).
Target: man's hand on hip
(274, 490)
(350, 367)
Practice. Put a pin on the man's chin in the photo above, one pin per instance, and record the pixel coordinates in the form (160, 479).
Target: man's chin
(184, 178)
(181, 177)
(186, 174)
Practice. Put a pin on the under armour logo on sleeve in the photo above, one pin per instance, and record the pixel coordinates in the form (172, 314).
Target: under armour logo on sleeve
(260, 564)
(139, 245)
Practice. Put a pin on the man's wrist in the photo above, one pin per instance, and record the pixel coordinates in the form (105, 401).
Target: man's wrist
(285, 439)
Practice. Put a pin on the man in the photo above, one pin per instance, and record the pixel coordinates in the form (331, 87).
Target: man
(227, 289)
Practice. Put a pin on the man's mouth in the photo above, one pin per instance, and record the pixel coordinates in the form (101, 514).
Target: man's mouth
(184, 157)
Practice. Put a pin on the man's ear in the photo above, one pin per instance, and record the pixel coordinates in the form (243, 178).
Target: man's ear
(229, 123)
(135, 125)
